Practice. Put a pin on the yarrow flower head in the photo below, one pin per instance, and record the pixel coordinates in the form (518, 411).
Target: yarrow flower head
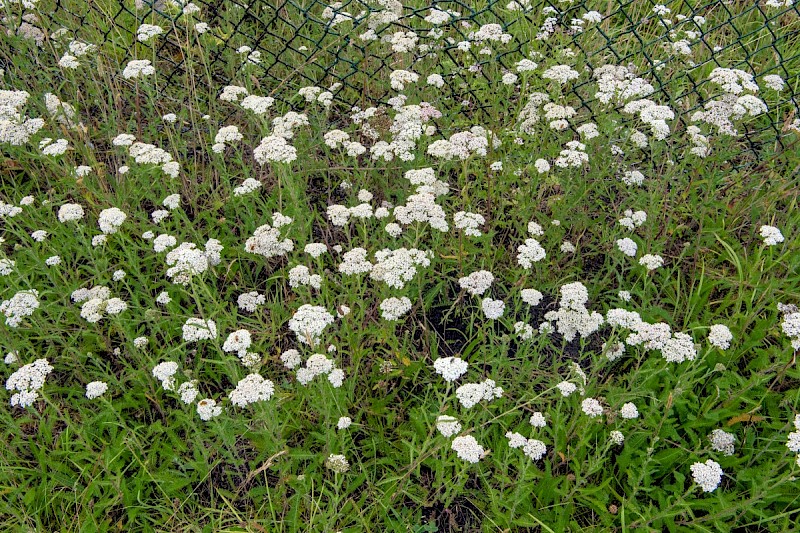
(337, 463)
(165, 372)
(529, 253)
(591, 407)
(251, 389)
(69, 212)
(111, 219)
(651, 262)
(771, 235)
(138, 68)
(450, 368)
(720, 336)
(467, 449)
(448, 426)
(471, 394)
(196, 329)
(722, 441)
(208, 409)
(95, 389)
(309, 322)
(629, 411)
(493, 309)
(393, 309)
(20, 306)
(27, 381)
(708, 475)
(566, 388)
(477, 283)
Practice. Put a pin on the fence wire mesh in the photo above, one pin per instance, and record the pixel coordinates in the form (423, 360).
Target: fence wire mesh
(283, 45)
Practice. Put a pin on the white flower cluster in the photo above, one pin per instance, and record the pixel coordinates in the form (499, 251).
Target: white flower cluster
(111, 219)
(529, 253)
(450, 368)
(147, 32)
(15, 128)
(537, 420)
(53, 148)
(469, 222)
(619, 84)
(791, 326)
(285, 125)
(301, 276)
(20, 306)
(627, 246)
(337, 463)
(96, 302)
(465, 144)
(95, 389)
(138, 68)
(165, 373)
(187, 260)
(491, 32)
(398, 267)
(62, 112)
(251, 389)
(733, 105)
(188, 391)
(249, 301)
(208, 409)
(257, 104)
(422, 207)
(722, 441)
(470, 394)
(653, 115)
(447, 426)
(651, 261)
(573, 318)
(6, 266)
(531, 297)
(27, 381)
(771, 235)
(720, 336)
(266, 240)
(560, 73)
(708, 475)
(315, 249)
(632, 177)
(467, 448)
(533, 448)
(629, 411)
(633, 219)
(574, 155)
(355, 262)
(309, 322)
(197, 329)
(477, 283)
(225, 135)
(674, 347)
(231, 93)
(591, 407)
(400, 78)
(793, 439)
(317, 365)
(238, 342)
(393, 309)
(70, 212)
(492, 309)
(274, 149)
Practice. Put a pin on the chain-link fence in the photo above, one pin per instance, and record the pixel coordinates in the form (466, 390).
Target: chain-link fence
(283, 45)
